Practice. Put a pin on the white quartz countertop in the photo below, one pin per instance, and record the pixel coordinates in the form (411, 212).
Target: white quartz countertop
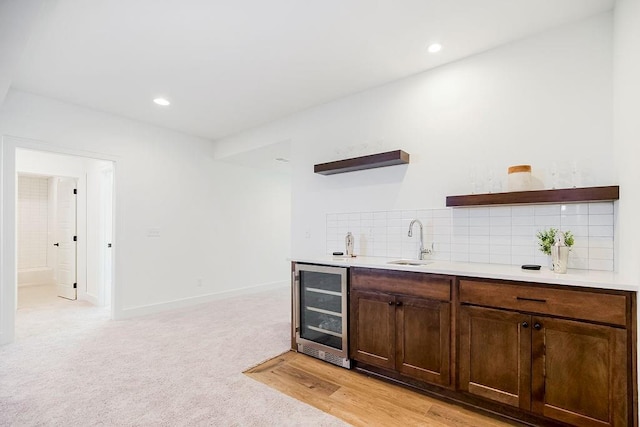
(585, 278)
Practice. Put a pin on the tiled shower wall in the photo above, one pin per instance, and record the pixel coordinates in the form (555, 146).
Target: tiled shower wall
(495, 235)
(33, 195)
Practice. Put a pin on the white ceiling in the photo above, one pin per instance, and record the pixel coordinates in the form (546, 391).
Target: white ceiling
(228, 65)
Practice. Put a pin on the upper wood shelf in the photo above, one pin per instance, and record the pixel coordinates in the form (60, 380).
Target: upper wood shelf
(390, 158)
(565, 195)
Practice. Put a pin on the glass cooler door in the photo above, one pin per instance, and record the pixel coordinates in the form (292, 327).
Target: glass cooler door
(322, 306)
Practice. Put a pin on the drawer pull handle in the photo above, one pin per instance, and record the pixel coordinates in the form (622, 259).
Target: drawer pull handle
(390, 302)
(531, 299)
(399, 303)
(525, 324)
(537, 326)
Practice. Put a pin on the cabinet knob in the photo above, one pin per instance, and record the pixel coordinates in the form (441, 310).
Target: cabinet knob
(390, 302)
(525, 324)
(537, 326)
(399, 303)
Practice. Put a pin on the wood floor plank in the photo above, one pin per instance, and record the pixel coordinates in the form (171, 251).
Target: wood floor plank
(358, 399)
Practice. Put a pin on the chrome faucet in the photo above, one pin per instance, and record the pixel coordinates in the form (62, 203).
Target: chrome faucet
(422, 251)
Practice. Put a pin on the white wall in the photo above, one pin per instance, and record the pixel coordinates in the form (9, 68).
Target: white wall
(626, 70)
(544, 99)
(211, 217)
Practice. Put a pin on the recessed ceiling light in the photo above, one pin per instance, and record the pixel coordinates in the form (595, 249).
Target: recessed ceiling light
(435, 47)
(162, 101)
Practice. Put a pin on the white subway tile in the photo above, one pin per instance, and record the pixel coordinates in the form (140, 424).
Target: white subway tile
(545, 210)
(521, 259)
(499, 259)
(479, 248)
(441, 247)
(569, 220)
(500, 230)
(460, 222)
(601, 230)
(601, 219)
(500, 211)
(523, 220)
(479, 231)
(354, 216)
(601, 242)
(441, 213)
(601, 264)
(479, 257)
(600, 253)
(459, 257)
(579, 263)
(599, 208)
(522, 211)
(547, 221)
(523, 251)
(478, 212)
(500, 250)
(500, 221)
(441, 256)
(460, 231)
(460, 213)
(459, 240)
(332, 217)
(500, 240)
(575, 209)
(524, 240)
(366, 215)
(478, 240)
(441, 222)
(523, 230)
(479, 221)
(577, 230)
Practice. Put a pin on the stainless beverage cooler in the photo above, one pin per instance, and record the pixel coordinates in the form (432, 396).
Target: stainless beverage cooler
(321, 308)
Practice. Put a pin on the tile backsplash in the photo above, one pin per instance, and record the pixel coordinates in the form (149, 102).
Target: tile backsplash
(495, 235)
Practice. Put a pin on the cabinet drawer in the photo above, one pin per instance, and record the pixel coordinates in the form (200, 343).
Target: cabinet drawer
(421, 285)
(577, 304)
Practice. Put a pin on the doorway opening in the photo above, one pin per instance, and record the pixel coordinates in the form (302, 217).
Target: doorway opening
(64, 231)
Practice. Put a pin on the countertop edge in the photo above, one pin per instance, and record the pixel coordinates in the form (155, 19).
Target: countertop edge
(581, 278)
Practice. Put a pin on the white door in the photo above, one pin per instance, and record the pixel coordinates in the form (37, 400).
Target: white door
(66, 238)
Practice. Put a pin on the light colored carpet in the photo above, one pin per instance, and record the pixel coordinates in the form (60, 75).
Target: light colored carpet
(72, 366)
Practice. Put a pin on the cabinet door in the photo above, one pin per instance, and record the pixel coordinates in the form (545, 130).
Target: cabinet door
(579, 372)
(373, 328)
(423, 339)
(495, 355)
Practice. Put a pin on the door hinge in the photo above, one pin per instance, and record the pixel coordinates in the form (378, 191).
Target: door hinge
(75, 286)
(75, 238)
(75, 191)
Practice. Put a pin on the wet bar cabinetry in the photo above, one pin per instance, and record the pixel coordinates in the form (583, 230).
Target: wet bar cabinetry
(402, 322)
(559, 353)
(543, 354)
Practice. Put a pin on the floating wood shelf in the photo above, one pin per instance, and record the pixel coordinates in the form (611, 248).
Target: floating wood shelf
(390, 158)
(565, 195)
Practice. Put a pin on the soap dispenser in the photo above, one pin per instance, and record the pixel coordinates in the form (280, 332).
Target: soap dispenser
(348, 241)
(559, 254)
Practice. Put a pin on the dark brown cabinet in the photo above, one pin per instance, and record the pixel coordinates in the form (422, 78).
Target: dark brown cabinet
(571, 371)
(408, 334)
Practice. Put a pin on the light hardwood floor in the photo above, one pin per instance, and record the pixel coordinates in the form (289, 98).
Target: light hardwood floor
(358, 399)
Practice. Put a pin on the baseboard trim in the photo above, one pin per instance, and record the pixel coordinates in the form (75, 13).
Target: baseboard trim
(144, 310)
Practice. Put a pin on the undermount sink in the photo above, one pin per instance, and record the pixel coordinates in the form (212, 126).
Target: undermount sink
(410, 262)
